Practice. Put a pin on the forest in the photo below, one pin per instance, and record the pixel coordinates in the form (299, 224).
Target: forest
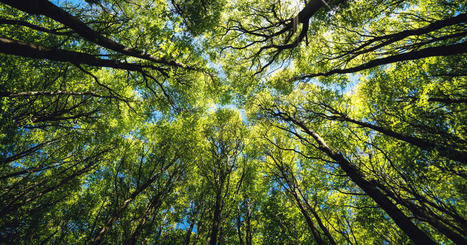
(233, 122)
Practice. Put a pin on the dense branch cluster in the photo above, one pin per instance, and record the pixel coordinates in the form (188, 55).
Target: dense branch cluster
(276, 34)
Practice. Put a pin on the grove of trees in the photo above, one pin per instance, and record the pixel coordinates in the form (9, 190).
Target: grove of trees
(233, 122)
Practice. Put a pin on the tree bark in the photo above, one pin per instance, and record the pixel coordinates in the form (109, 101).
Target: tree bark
(239, 227)
(52, 93)
(391, 38)
(308, 219)
(153, 207)
(10, 207)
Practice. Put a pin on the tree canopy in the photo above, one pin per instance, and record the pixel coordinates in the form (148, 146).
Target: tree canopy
(233, 122)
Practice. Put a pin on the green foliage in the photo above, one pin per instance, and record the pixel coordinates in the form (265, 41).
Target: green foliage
(231, 127)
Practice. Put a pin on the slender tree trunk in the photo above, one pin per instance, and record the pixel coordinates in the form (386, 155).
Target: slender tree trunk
(30, 50)
(156, 202)
(318, 219)
(307, 217)
(216, 219)
(391, 38)
(239, 226)
(418, 236)
(248, 236)
(12, 206)
(415, 234)
(52, 93)
(27, 152)
(292, 190)
(192, 225)
(152, 209)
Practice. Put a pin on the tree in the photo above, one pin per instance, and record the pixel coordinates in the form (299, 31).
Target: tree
(225, 142)
(298, 115)
(233, 122)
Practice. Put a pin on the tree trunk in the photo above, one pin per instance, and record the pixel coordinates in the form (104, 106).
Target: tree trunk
(192, 225)
(460, 156)
(239, 226)
(426, 216)
(444, 50)
(404, 223)
(30, 50)
(216, 220)
(307, 217)
(318, 219)
(248, 236)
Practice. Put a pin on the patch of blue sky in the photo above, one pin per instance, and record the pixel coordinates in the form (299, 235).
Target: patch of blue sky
(67, 2)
